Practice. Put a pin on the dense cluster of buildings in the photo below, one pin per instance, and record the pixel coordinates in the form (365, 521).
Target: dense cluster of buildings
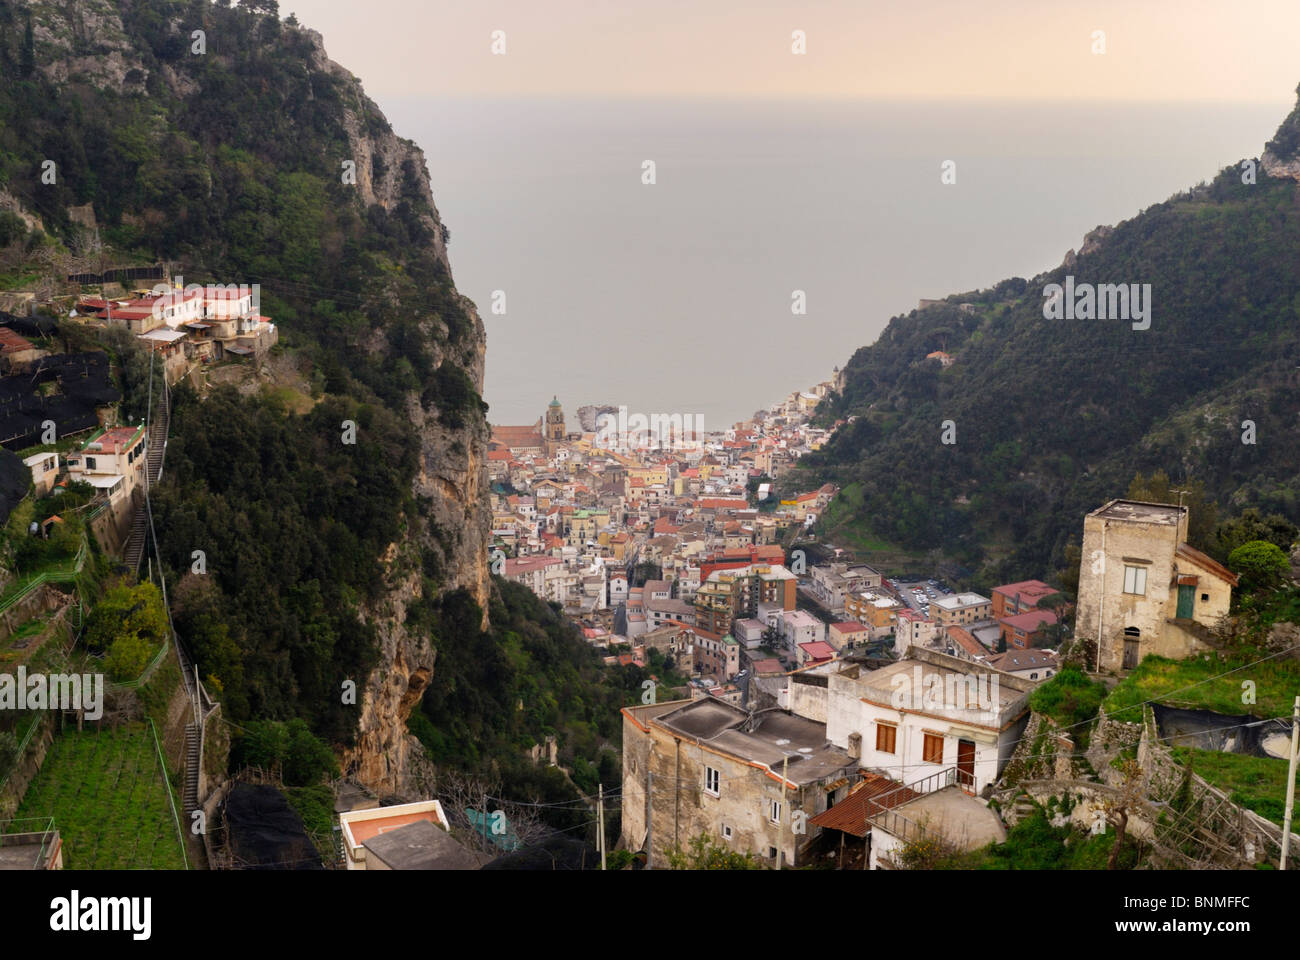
(866, 750)
(189, 325)
(829, 707)
(645, 541)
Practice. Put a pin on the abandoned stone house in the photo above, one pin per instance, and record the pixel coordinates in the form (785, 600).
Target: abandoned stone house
(1142, 589)
(751, 781)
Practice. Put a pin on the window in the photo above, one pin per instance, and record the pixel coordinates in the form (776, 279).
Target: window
(712, 781)
(774, 811)
(90, 463)
(771, 852)
(1205, 598)
(726, 832)
(1135, 580)
(932, 750)
(886, 733)
(1033, 676)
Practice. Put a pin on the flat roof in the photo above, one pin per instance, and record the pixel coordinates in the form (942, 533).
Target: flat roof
(420, 846)
(102, 481)
(164, 335)
(882, 679)
(777, 738)
(1139, 511)
(961, 818)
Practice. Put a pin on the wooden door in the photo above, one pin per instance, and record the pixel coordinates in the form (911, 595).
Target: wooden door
(966, 765)
(1130, 654)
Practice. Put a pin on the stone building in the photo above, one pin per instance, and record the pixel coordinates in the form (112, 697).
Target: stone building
(1142, 589)
(751, 781)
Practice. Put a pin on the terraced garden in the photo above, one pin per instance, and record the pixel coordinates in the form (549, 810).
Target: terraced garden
(108, 793)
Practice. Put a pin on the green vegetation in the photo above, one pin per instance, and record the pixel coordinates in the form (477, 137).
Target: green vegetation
(228, 165)
(292, 522)
(494, 694)
(1256, 783)
(108, 794)
(1259, 564)
(288, 751)
(127, 626)
(1264, 689)
(1032, 844)
(1054, 416)
(1070, 698)
(315, 804)
(704, 852)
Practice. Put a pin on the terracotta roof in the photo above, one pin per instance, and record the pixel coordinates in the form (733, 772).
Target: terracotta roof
(516, 437)
(1030, 591)
(874, 794)
(1030, 620)
(1207, 563)
(966, 640)
(11, 342)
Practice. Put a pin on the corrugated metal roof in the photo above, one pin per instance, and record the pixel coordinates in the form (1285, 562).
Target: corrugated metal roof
(867, 799)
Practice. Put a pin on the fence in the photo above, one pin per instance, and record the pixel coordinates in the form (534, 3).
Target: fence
(60, 574)
(881, 813)
(25, 831)
(21, 749)
(167, 785)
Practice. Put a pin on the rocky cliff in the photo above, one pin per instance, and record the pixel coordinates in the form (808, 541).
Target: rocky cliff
(142, 56)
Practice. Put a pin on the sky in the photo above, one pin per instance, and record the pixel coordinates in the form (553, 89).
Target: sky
(1197, 50)
(781, 171)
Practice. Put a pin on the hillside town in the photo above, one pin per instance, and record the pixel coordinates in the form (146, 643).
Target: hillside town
(676, 543)
(907, 726)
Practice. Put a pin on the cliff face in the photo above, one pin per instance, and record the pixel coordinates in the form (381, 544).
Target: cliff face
(142, 49)
(452, 480)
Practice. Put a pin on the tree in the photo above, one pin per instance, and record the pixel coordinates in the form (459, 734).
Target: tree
(1260, 564)
(27, 56)
(127, 657)
(1252, 525)
(1120, 808)
(707, 853)
(125, 612)
(1202, 513)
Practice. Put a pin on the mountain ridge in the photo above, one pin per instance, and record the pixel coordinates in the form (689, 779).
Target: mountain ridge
(1053, 417)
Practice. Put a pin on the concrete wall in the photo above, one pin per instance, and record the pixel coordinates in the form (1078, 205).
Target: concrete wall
(683, 810)
(808, 696)
(1104, 609)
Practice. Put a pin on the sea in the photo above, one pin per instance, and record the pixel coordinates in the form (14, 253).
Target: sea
(777, 237)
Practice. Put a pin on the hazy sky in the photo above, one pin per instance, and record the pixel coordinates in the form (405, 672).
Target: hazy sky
(1154, 49)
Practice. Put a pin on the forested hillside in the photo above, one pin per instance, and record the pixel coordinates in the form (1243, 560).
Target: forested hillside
(1054, 417)
(222, 142)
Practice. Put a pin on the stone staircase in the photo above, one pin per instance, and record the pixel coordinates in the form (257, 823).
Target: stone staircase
(158, 437)
(135, 541)
(192, 760)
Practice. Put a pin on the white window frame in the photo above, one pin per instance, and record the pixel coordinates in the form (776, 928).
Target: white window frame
(774, 811)
(726, 832)
(1135, 580)
(714, 777)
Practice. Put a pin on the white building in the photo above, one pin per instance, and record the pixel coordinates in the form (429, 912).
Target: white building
(928, 712)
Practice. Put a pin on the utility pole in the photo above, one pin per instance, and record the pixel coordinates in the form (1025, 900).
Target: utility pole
(780, 832)
(600, 820)
(649, 816)
(1290, 783)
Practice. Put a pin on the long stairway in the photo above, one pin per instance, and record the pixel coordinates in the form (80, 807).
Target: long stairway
(158, 436)
(134, 548)
(191, 799)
